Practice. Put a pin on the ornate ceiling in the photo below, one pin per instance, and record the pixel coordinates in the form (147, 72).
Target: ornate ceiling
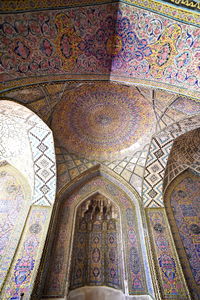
(118, 83)
(185, 154)
(117, 41)
(106, 78)
(103, 120)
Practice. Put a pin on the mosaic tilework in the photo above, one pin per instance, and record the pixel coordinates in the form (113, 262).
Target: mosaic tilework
(44, 164)
(169, 107)
(191, 4)
(15, 198)
(131, 168)
(183, 210)
(33, 147)
(40, 98)
(168, 10)
(97, 254)
(169, 117)
(187, 106)
(71, 166)
(157, 160)
(184, 155)
(139, 45)
(160, 65)
(162, 104)
(103, 121)
(157, 6)
(21, 275)
(60, 255)
(43, 98)
(171, 280)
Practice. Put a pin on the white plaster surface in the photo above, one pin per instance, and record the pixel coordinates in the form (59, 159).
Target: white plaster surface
(102, 293)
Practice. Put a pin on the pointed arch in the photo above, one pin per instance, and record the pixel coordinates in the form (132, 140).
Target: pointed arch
(27, 143)
(160, 148)
(96, 180)
(183, 155)
(27, 168)
(181, 200)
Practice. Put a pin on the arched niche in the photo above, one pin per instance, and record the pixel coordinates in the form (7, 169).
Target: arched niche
(181, 200)
(97, 254)
(183, 155)
(135, 272)
(159, 152)
(15, 200)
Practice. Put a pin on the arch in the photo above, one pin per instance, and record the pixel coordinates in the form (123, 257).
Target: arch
(27, 160)
(96, 258)
(181, 200)
(160, 148)
(183, 155)
(27, 143)
(94, 181)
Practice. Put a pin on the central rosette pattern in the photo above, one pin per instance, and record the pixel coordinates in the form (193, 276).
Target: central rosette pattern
(101, 119)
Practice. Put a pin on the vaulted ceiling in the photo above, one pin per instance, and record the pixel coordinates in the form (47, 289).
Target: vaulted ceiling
(106, 78)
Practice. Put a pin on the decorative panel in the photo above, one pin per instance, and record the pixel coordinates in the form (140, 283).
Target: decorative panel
(142, 42)
(159, 151)
(58, 272)
(22, 273)
(97, 251)
(183, 209)
(171, 279)
(15, 197)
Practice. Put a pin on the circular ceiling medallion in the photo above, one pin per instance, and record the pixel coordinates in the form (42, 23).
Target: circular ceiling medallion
(100, 120)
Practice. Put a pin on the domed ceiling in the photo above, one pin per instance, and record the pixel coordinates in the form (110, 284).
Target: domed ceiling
(103, 120)
(185, 154)
(186, 150)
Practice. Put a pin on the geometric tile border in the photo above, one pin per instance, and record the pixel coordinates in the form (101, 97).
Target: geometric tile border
(185, 154)
(42, 146)
(131, 168)
(187, 15)
(164, 255)
(157, 160)
(41, 169)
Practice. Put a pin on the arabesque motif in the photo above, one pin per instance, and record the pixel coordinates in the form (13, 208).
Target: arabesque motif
(26, 260)
(66, 42)
(164, 51)
(182, 204)
(56, 279)
(100, 40)
(167, 265)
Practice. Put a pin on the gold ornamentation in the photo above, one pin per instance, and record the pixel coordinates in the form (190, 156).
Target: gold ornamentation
(164, 51)
(67, 42)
